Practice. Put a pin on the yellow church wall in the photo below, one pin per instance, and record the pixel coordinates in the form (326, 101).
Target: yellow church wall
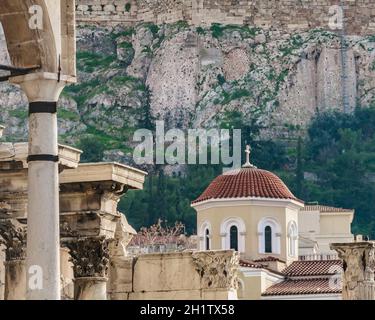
(251, 214)
(335, 224)
(254, 282)
(251, 287)
(334, 228)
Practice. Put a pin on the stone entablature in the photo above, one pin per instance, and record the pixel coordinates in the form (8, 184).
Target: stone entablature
(13, 178)
(284, 14)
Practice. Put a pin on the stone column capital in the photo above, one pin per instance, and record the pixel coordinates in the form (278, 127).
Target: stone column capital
(90, 257)
(218, 269)
(358, 269)
(42, 86)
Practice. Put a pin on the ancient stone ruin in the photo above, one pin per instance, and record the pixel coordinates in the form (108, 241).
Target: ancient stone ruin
(358, 270)
(284, 14)
(94, 235)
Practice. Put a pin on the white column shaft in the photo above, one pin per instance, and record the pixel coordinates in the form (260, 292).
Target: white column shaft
(43, 244)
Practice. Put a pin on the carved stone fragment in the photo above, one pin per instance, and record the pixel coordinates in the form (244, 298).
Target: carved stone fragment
(13, 236)
(218, 269)
(90, 257)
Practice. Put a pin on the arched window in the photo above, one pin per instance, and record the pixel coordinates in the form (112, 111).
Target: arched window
(269, 233)
(268, 239)
(205, 234)
(292, 238)
(234, 238)
(207, 239)
(233, 234)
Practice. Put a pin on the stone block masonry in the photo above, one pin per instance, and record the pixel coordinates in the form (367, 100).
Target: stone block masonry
(280, 14)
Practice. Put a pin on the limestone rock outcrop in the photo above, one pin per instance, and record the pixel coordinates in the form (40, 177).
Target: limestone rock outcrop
(192, 76)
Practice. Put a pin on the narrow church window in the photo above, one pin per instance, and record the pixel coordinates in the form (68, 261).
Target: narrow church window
(207, 238)
(268, 239)
(292, 234)
(234, 238)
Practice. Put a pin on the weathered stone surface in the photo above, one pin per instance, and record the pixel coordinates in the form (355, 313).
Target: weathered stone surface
(90, 257)
(15, 280)
(217, 269)
(2, 272)
(189, 78)
(359, 269)
(168, 271)
(13, 237)
(120, 276)
(178, 273)
(167, 295)
(291, 15)
(90, 288)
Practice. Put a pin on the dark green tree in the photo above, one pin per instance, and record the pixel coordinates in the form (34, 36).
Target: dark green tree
(93, 149)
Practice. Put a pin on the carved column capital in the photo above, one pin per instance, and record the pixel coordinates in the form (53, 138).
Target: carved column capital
(218, 269)
(13, 236)
(90, 257)
(359, 267)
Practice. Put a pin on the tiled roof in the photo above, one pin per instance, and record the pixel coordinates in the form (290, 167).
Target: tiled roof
(246, 183)
(322, 208)
(251, 264)
(269, 259)
(312, 268)
(300, 287)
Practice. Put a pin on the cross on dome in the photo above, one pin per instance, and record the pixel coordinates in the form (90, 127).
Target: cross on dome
(247, 163)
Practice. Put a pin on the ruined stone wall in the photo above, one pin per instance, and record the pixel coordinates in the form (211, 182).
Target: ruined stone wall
(283, 14)
(106, 11)
(206, 275)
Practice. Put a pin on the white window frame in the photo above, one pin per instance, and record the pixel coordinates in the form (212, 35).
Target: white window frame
(206, 225)
(225, 233)
(276, 235)
(292, 238)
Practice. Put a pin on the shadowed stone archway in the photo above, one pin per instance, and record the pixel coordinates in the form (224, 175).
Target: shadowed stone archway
(50, 47)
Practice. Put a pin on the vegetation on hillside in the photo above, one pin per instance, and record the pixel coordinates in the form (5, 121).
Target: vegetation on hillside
(337, 156)
(332, 164)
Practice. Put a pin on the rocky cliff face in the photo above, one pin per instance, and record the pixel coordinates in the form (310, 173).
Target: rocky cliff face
(191, 76)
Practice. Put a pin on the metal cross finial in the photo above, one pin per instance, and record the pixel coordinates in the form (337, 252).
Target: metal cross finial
(247, 163)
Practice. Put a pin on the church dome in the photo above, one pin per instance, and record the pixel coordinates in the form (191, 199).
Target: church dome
(247, 182)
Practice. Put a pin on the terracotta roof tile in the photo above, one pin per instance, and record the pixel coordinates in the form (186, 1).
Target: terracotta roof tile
(251, 264)
(300, 287)
(246, 183)
(269, 259)
(312, 268)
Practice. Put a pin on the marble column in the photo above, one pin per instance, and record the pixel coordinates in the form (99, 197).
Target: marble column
(13, 236)
(358, 269)
(43, 244)
(90, 258)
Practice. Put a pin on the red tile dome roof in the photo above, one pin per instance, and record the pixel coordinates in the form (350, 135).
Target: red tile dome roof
(246, 183)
